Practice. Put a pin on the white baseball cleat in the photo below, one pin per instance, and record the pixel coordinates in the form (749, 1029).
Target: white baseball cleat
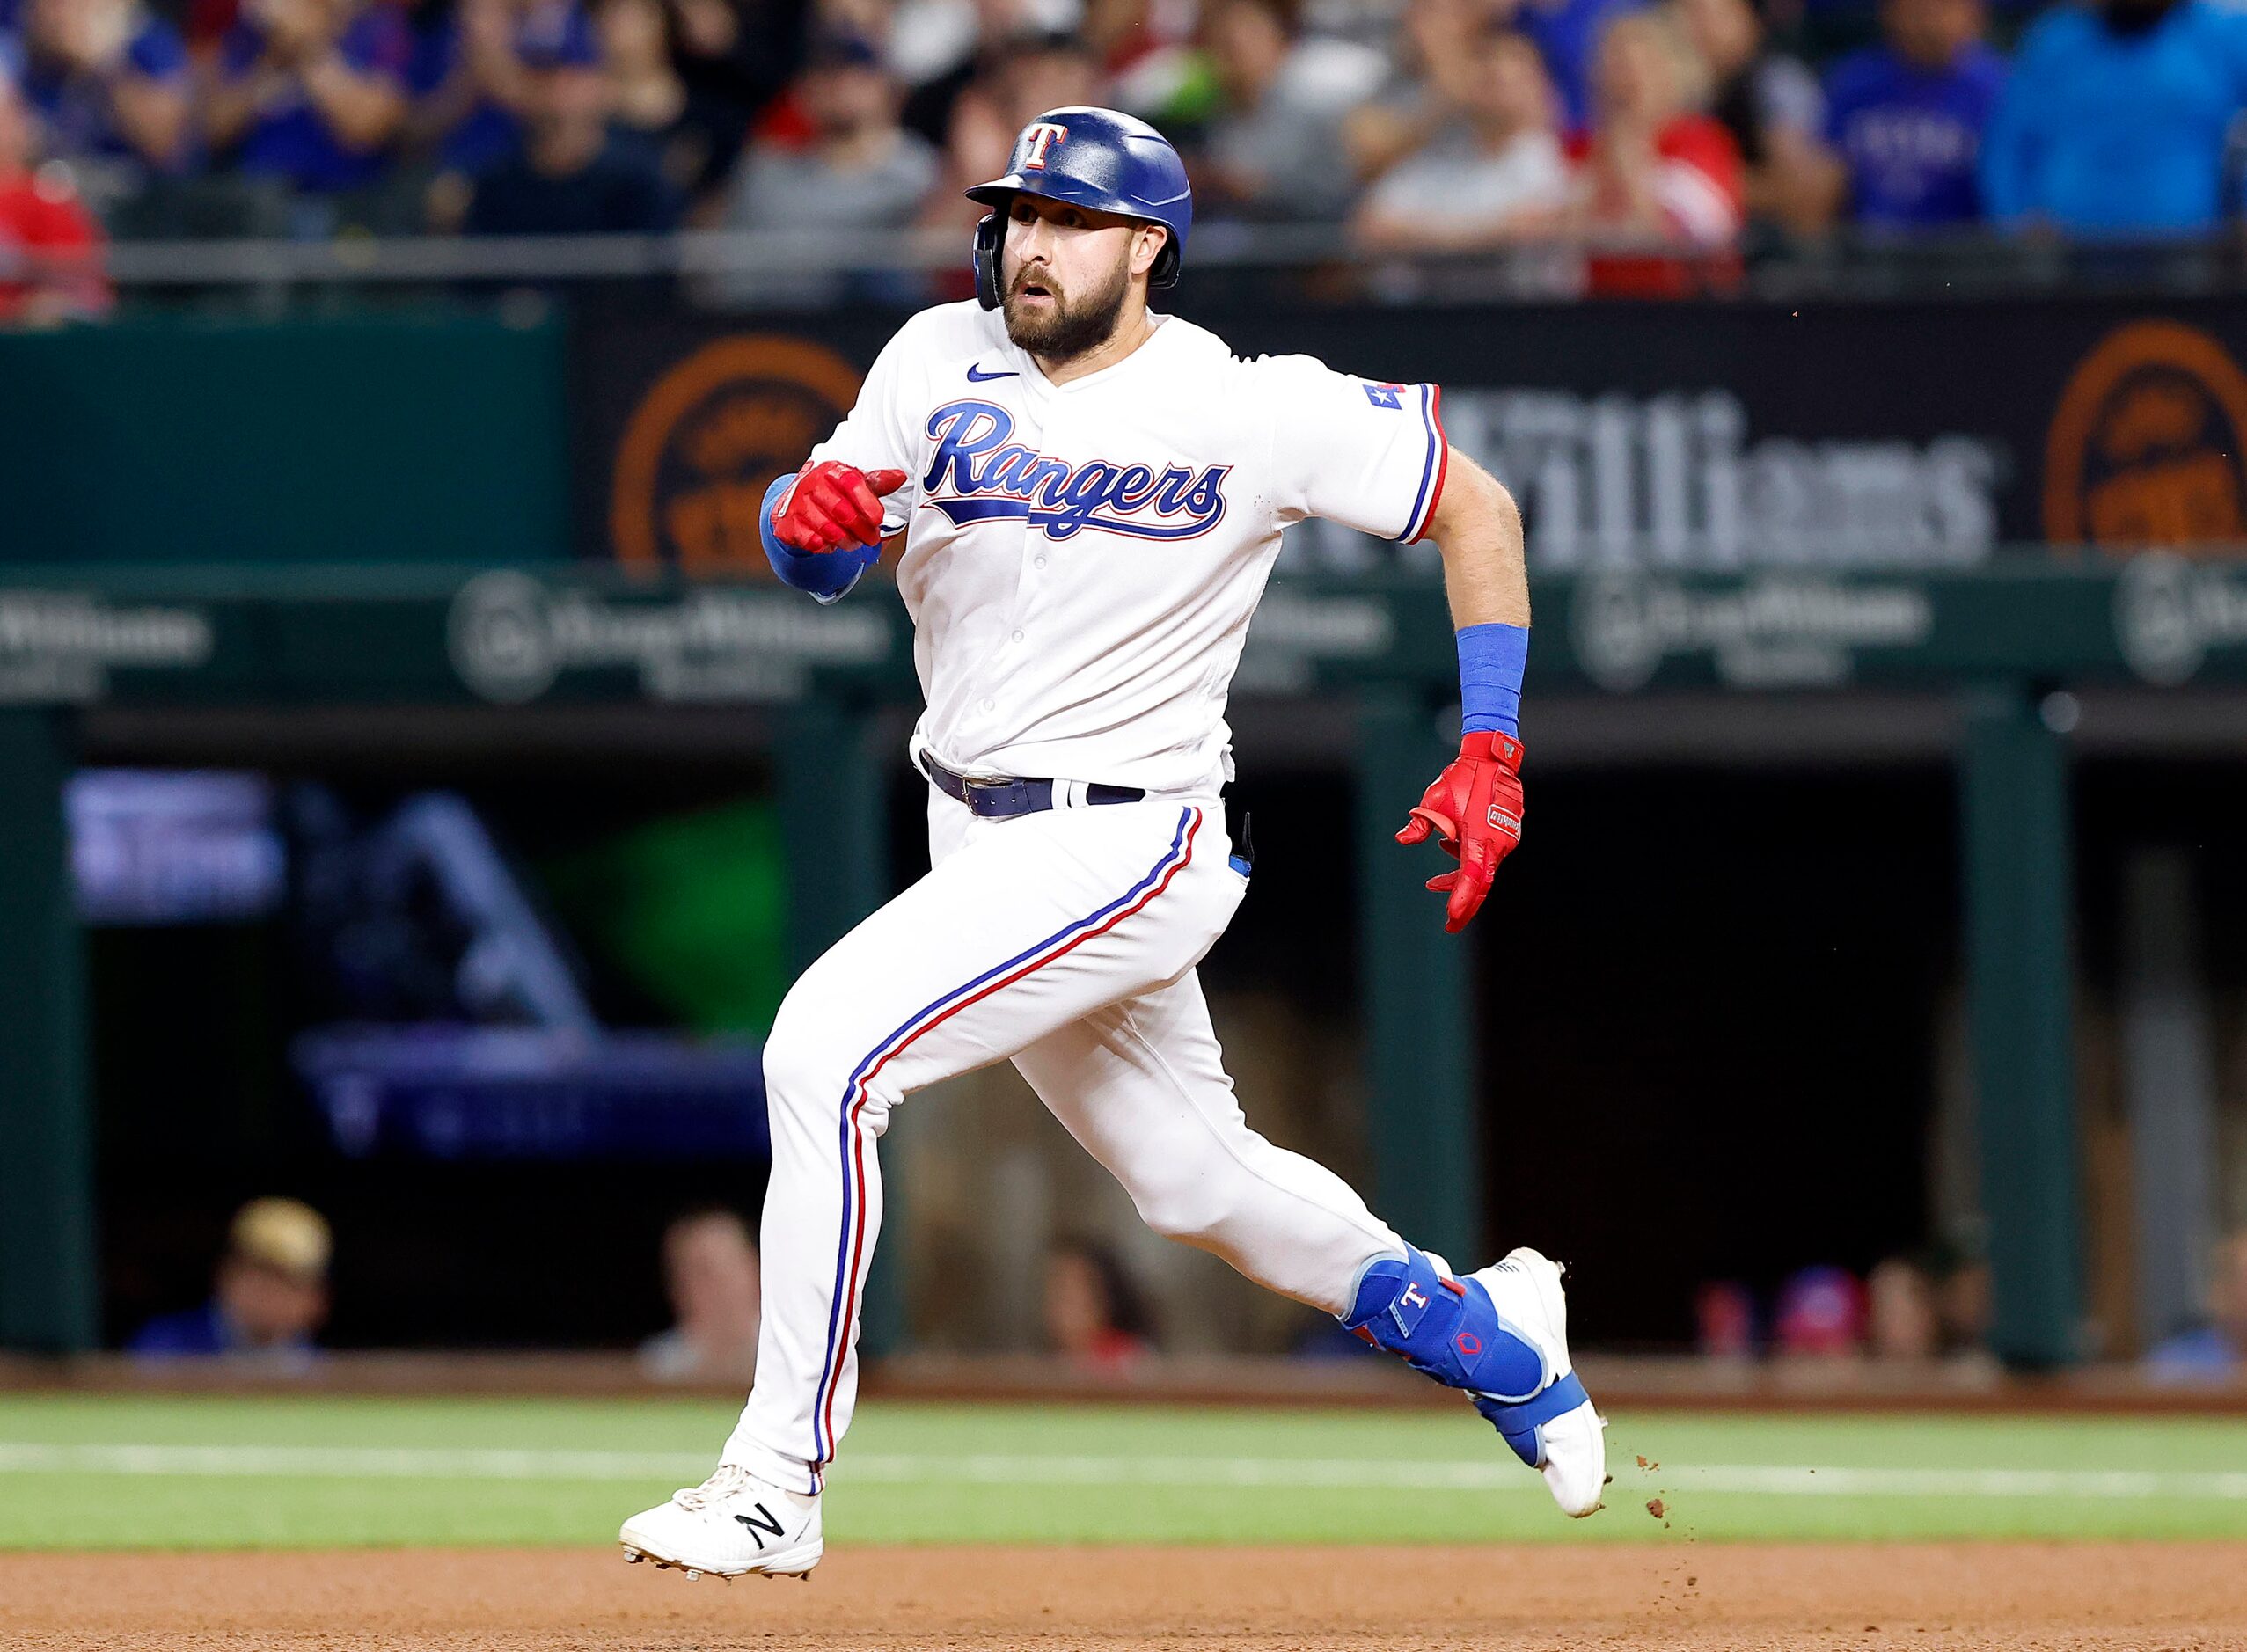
(1557, 1432)
(733, 1524)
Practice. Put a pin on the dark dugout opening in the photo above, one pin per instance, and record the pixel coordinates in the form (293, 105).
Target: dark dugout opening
(1707, 1000)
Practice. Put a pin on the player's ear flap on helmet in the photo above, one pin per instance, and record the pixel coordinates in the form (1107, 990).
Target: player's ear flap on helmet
(990, 232)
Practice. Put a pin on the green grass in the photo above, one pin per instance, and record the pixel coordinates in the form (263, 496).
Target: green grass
(284, 1472)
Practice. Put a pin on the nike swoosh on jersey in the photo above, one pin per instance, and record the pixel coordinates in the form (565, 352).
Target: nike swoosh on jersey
(976, 375)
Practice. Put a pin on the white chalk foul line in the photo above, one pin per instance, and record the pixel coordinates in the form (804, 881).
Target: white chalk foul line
(325, 1462)
(346, 1462)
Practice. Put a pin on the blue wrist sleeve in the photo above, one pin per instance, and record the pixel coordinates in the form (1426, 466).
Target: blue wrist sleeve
(826, 574)
(1491, 660)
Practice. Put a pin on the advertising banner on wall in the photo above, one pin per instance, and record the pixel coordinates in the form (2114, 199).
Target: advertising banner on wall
(590, 633)
(1659, 437)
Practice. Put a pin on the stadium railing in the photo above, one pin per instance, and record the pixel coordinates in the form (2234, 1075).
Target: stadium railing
(813, 268)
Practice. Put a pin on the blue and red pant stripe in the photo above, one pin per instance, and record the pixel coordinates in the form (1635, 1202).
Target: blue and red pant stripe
(849, 1250)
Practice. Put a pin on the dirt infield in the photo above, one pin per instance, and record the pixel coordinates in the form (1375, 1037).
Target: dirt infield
(1700, 1597)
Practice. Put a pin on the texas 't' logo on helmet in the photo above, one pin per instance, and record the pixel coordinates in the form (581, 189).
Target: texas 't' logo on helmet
(1038, 137)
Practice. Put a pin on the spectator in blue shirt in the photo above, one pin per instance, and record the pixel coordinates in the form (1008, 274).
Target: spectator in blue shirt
(474, 73)
(108, 80)
(1907, 116)
(270, 1295)
(570, 172)
(2115, 120)
(2217, 1350)
(1567, 33)
(312, 91)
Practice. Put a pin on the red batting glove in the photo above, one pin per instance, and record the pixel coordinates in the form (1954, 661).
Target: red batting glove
(1475, 807)
(833, 507)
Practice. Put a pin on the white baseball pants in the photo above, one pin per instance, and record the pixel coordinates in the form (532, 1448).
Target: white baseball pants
(1065, 941)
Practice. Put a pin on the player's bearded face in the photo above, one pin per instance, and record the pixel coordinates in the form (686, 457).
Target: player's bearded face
(1059, 316)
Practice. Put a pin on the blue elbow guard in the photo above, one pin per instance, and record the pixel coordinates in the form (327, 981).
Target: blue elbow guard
(825, 575)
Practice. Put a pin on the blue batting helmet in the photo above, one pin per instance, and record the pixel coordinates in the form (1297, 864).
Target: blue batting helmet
(1090, 157)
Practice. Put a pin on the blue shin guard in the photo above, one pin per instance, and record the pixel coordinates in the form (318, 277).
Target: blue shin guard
(1449, 1329)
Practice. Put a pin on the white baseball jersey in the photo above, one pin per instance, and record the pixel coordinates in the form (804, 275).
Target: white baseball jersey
(1081, 559)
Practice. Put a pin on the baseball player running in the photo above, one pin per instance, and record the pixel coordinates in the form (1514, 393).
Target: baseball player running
(1092, 496)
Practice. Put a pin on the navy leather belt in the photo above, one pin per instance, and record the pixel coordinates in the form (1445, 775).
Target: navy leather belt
(1003, 799)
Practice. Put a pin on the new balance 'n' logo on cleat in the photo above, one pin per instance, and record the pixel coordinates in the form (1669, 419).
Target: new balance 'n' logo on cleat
(763, 1520)
(730, 1525)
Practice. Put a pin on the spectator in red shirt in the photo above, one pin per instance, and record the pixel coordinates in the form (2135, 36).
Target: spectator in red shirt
(1094, 1317)
(1651, 173)
(50, 247)
(1775, 109)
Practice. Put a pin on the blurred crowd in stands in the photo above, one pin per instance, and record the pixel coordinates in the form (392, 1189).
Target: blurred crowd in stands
(1710, 126)
(270, 1297)
(1932, 1308)
(1909, 1310)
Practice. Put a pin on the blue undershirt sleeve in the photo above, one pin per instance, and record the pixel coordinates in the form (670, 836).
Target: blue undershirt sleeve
(825, 575)
(1491, 660)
